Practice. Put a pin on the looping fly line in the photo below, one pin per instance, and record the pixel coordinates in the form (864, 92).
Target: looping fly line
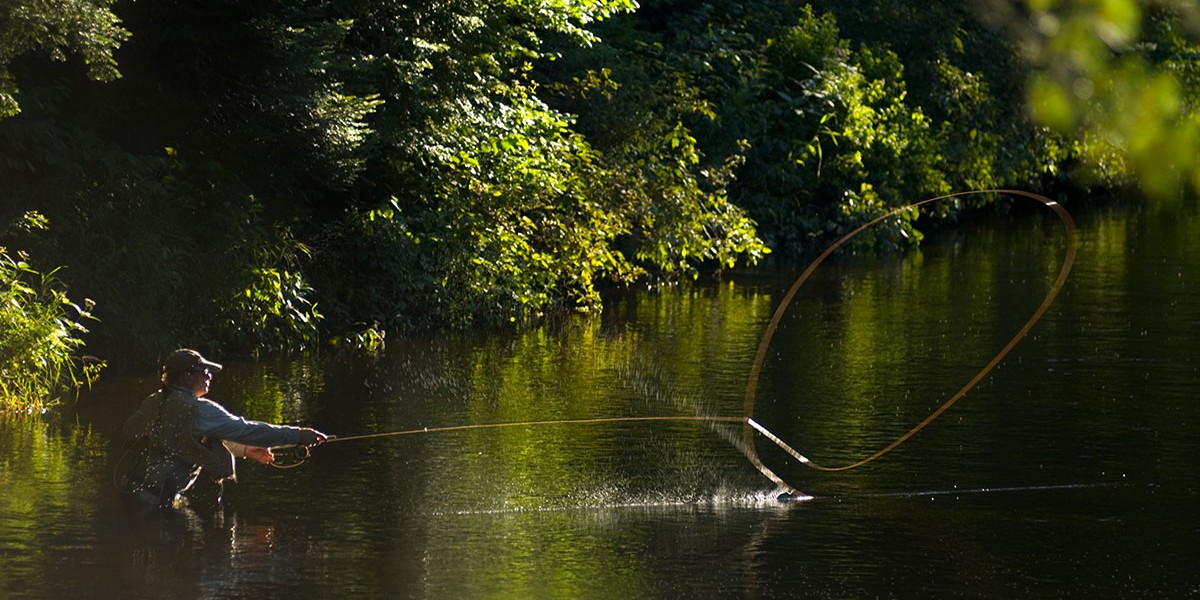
(752, 426)
(749, 425)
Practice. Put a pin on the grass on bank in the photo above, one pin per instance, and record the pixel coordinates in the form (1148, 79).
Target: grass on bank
(40, 338)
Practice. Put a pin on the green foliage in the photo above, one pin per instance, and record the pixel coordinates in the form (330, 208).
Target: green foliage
(679, 209)
(84, 27)
(807, 135)
(968, 79)
(257, 87)
(370, 339)
(372, 270)
(1118, 78)
(455, 163)
(508, 201)
(40, 333)
(198, 263)
(274, 311)
(498, 210)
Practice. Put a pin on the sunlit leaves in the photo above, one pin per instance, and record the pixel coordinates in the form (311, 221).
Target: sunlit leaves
(40, 333)
(680, 213)
(572, 17)
(520, 234)
(501, 209)
(822, 121)
(87, 28)
(274, 308)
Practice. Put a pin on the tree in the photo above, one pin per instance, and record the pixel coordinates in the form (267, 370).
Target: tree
(87, 28)
(491, 205)
(813, 133)
(1119, 78)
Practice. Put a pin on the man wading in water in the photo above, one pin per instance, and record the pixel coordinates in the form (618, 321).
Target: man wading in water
(176, 435)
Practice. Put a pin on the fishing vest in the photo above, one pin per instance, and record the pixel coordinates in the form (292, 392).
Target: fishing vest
(170, 456)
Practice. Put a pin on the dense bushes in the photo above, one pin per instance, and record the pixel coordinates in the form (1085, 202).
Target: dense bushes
(827, 130)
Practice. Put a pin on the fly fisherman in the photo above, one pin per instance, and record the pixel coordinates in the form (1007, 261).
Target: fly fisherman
(175, 435)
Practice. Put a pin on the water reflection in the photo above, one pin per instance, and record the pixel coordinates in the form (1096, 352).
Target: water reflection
(1066, 473)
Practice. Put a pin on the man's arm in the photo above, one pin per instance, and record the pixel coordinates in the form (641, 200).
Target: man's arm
(214, 421)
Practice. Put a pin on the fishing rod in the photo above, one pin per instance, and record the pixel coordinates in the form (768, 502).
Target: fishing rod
(302, 452)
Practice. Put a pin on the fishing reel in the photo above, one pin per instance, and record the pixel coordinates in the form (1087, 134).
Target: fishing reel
(298, 454)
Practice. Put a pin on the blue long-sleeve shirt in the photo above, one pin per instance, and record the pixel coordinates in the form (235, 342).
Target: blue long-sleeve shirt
(213, 421)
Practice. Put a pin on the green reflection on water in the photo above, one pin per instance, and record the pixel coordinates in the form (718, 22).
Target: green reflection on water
(46, 494)
(276, 392)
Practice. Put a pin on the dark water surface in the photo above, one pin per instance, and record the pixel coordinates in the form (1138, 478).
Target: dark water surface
(1069, 472)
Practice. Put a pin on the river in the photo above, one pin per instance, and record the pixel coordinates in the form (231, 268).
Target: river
(1067, 472)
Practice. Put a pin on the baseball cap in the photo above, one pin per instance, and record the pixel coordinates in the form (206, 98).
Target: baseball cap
(187, 360)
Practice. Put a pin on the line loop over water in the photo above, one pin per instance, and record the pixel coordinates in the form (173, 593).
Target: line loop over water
(765, 343)
(751, 426)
